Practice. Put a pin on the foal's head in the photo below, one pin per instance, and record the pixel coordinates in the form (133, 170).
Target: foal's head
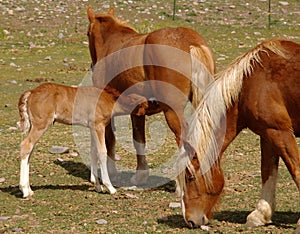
(199, 192)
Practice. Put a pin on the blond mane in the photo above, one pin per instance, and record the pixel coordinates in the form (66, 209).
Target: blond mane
(219, 96)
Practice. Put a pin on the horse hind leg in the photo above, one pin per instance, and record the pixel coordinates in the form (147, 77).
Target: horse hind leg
(27, 146)
(142, 169)
(266, 204)
(98, 140)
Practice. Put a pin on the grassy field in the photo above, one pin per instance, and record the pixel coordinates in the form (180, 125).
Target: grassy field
(44, 40)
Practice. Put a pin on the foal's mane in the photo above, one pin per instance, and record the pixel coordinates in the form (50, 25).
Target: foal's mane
(220, 95)
(117, 21)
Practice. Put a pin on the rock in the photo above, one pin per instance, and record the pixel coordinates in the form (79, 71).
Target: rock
(282, 3)
(59, 150)
(48, 58)
(204, 227)
(12, 65)
(2, 180)
(129, 195)
(174, 205)
(4, 218)
(101, 221)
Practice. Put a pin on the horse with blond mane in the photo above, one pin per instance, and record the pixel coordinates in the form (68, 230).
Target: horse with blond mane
(260, 90)
(156, 65)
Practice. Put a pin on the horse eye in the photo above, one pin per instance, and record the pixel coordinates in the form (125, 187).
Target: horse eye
(191, 178)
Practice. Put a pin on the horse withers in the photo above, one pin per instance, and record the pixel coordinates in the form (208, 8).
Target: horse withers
(157, 65)
(87, 106)
(260, 90)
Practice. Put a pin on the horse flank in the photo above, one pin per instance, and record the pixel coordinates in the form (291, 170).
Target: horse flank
(219, 97)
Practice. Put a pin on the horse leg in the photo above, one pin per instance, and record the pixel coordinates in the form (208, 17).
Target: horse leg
(99, 141)
(175, 125)
(27, 146)
(269, 170)
(285, 145)
(142, 170)
(110, 141)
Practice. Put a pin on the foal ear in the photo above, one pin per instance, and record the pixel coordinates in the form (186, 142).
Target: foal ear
(111, 11)
(91, 14)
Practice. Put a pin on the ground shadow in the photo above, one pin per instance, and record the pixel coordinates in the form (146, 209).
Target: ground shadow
(15, 191)
(285, 220)
(121, 180)
(279, 219)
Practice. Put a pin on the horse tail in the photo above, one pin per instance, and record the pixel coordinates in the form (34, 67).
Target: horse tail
(24, 123)
(203, 69)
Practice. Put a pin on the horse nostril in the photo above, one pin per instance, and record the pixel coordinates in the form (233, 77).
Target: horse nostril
(191, 224)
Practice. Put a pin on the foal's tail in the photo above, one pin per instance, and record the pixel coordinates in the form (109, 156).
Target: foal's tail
(203, 69)
(24, 123)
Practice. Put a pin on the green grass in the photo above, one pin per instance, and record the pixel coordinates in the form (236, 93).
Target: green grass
(64, 200)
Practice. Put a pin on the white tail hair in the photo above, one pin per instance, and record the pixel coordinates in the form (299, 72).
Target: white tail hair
(24, 123)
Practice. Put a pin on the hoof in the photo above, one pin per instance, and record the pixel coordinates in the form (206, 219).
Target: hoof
(140, 177)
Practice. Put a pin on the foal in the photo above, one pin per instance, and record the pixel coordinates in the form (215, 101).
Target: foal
(87, 106)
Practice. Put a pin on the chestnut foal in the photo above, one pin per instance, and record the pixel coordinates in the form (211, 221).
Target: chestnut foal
(87, 106)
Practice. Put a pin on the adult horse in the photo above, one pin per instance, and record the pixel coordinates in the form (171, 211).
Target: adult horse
(260, 90)
(156, 65)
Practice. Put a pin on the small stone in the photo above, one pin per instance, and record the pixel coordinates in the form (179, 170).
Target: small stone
(12, 128)
(204, 227)
(74, 154)
(174, 205)
(12, 65)
(2, 180)
(59, 150)
(282, 3)
(129, 195)
(4, 218)
(48, 58)
(101, 221)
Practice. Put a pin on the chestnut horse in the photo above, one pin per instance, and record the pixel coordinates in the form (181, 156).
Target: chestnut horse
(87, 106)
(156, 65)
(260, 90)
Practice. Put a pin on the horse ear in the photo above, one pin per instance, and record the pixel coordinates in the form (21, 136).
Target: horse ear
(91, 14)
(111, 11)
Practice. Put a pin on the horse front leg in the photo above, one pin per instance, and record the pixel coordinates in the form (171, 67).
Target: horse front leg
(269, 170)
(139, 141)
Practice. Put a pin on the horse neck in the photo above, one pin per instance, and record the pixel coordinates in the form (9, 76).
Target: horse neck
(234, 126)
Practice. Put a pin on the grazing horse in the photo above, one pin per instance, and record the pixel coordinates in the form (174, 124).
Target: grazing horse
(156, 65)
(260, 90)
(87, 106)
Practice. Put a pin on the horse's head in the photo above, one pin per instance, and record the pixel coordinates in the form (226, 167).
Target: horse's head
(198, 195)
(101, 27)
(95, 31)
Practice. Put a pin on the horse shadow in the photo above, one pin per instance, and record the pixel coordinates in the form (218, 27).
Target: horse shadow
(280, 219)
(121, 180)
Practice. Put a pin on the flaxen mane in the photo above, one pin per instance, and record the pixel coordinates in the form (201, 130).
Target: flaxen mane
(220, 95)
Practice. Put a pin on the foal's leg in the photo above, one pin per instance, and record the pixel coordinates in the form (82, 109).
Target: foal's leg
(27, 146)
(142, 170)
(99, 139)
(269, 170)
